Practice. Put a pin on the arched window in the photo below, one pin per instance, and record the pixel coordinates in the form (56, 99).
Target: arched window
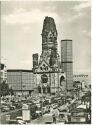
(48, 89)
(41, 68)
(62, 78)
(39, 89)
(44, 89)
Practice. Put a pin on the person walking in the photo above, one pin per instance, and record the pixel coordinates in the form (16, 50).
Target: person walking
(66, 119)
(55, 115)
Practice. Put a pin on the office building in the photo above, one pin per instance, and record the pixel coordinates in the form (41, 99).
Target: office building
(67, 62)
(21, 81)
(3, 73)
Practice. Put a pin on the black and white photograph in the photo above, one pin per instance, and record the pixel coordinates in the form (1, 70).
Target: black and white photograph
(45, 62)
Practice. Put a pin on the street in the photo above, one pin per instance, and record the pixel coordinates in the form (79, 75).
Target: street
(11, 115)
(13, 111)
(45, 119)
(71, 108)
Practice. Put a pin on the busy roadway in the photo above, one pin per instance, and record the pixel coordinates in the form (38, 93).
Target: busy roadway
(67, 110)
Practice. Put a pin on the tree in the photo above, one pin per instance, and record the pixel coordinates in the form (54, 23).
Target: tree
(4, 89)
(2, 66)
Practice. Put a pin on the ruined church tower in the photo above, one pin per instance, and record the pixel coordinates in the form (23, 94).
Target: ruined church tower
(49, 41)
(49, 78)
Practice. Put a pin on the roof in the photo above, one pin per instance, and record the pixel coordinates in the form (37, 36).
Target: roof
(80, 75)
(44, 61)
(66, 40)
(19, 70)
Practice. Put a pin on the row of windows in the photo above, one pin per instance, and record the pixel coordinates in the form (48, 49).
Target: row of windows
(21, 85)
(80, 75)
(66, 49)
(19, 78)
(18, 73)
(14, 73)
(19, 88)
(19, 82)
(66, 58)
(23, 75)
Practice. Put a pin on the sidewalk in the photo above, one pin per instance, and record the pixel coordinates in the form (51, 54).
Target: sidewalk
(45, 119)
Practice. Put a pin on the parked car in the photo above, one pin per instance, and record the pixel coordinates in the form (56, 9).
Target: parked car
(12, 107)
(46, 109)
(38, 113)
(13, 122)
(18, 105)
(33, 109)
(21, 122)
(19, 118)
(54, 105)
(34, 115)
(5, 108)
(78, 116)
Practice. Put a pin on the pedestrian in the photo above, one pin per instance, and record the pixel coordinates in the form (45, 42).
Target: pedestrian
(52, 111)
(66, 119)
(54, 118)
(55, 115)
(69, 118)
(88, 119)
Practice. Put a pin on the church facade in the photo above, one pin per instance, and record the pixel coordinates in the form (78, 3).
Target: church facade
(50, 76)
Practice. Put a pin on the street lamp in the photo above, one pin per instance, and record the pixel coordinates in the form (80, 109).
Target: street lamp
(42, 97)
(21, 82)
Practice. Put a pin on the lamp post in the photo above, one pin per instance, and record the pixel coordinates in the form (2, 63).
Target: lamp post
(43, 81)
(21, 83)
(42, 97)
(0, 93)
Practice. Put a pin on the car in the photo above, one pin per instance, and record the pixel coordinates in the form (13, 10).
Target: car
(12, 107)
(78, 116)
(5, 109)
(54, 105)
(46, 102)
(39, 113)
(19, 118)
(18, 105)
(13, 122)
(38, 105)
(21, 122)
(34, 115)
(46, 109)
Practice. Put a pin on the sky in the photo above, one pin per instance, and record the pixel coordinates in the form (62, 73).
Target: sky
(21, 28)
